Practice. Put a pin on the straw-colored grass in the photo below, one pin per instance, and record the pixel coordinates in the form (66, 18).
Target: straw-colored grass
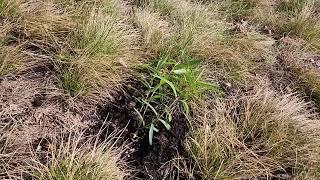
(252, 136)
(80, 157)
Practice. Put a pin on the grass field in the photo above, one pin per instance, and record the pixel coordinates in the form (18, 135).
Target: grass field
(159, 89)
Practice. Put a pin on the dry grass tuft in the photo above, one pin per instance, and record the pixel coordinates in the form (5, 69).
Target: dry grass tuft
(156, 31)
(43, 27)
(34, 119)
(201, 31)
(252, 136)
(294, 18)
(107, 48)
(9, 8)
(303, 65)
(80, 157)
(297, 19)
(10, 60)
(92, 45)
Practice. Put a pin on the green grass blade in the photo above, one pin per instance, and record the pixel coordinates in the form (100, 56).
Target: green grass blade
(151, 107)
(169, 83)
(166, 124)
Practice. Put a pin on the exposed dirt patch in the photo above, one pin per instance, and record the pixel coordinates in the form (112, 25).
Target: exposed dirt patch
(167, 145)
(35, 111)
(148, 161)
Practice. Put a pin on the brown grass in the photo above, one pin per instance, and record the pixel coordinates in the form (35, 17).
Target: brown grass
(302, 64)
(201, 31)
(293, 18)
(92, 45)
(253, 135)
(10, 60)
(61, 60)
(156, 31)
(80, 157)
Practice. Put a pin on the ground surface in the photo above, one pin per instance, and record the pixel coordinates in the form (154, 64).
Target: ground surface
(159, 89)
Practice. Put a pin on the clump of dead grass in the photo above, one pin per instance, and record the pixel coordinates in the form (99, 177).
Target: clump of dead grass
(156, 31)
(81, 157)
(201, 31)
(303, 65)
(44, 135)
(254, 135)
(44, 26)
(294, 18)
(10, 56)
(61, 156)
(10, 60)
(9, 8)
(107, 46)
(91, 45)
(33, 110)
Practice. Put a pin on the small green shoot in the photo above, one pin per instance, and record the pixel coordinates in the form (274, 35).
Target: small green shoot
(170, 85)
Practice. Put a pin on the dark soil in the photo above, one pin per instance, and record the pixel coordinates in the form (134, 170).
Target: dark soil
(147, 160)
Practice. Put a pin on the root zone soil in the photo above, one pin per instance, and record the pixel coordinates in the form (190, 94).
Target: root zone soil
(147, 161)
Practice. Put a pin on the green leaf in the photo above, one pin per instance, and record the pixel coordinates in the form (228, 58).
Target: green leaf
(151, 134)
(185, 107)
(157, 96)
(157, 87)
(140, 116)
(145, 83)
(194, 63)
(161, 63)
(155, 129)
(168, 114)
(167, 125)
(181, 66)
(151, 130)
(150, 106)
(180, 71)
(167, 82)
(208, 86)
(144, 66)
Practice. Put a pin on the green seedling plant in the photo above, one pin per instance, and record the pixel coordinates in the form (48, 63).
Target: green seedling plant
(170, 85)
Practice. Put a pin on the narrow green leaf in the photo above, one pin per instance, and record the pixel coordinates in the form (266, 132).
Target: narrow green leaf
(157, 87)
(194, 62)
(146, 83)
(168, 114)
(140, 116)
(180, 71)
(151, 134)
(181, 66)
(208, 86)
(157, 96)
(155, 129)
(151, 130)
(169, 83)
(167, 125)
(185, 107)
(151, 107)
(161, 63)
